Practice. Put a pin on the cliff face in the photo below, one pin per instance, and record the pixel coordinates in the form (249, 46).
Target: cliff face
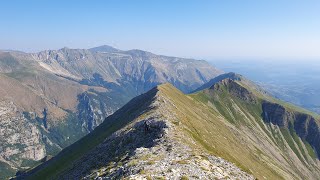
(304, 125)
(91, 111)
(275, 114)
(307, 127)
(21, 141)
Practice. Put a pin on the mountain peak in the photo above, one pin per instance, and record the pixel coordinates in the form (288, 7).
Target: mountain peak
(105, 49)
(235, 89)
(230, 75)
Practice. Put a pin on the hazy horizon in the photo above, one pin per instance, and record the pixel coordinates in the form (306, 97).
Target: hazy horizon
(207, 30)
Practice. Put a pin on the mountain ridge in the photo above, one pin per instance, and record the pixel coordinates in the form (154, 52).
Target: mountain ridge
(65, 94)
(156, 95)
(223, 121)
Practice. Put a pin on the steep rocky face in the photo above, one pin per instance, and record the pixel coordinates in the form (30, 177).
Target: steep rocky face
(92, 110)
(306, 126)
(21, 140)
(275, 114)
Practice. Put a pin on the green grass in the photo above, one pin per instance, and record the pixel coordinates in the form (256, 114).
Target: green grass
(298, 141)
(200, 122)
(310, 150)
(212, 134)
(287, 136)
(292, 136)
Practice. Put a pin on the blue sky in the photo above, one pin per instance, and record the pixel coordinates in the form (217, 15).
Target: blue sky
(216, 29)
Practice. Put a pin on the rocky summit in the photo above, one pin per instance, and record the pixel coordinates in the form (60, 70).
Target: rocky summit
(231, 130)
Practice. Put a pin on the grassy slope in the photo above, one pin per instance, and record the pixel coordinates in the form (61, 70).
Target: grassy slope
(215, 123)
(213, 132)
(304, 148)
(295, 152)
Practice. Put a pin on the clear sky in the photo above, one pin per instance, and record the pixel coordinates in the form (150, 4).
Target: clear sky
(280, 29)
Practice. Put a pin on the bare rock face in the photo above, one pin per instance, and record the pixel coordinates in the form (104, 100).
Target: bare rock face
(306, 126)
(21, 140)
(92, 110)
(275, 114)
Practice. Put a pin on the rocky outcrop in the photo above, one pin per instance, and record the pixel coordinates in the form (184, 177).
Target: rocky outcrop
(308, 129)
(275, 114)
(92, 110)
(21, 141)
(304, 125)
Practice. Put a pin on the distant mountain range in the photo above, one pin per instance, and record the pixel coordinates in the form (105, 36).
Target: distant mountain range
(50, 99)
(105, 113)
(229, 130)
